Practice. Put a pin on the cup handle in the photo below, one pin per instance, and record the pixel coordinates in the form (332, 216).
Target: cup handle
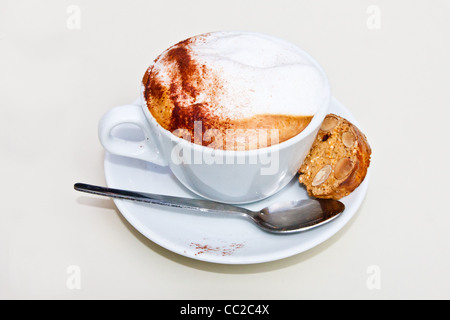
(132, 114)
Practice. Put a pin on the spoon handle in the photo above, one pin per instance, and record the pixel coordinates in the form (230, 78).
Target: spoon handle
(171, 201)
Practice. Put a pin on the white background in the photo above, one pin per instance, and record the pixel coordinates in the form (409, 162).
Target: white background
(58, 78)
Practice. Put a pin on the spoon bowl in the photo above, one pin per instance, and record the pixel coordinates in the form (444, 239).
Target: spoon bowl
(298, 215)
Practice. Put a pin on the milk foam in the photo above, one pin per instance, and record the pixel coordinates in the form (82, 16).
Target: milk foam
(256, 73)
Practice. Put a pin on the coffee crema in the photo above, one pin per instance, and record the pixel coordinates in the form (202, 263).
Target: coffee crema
(233, 90)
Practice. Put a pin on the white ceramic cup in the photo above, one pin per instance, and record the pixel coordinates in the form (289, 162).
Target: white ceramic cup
(222, 175)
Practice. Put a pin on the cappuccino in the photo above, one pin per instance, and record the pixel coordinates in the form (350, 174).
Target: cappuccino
(234, 90)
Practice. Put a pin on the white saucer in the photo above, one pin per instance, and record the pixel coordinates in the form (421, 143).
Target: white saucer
(216, 238)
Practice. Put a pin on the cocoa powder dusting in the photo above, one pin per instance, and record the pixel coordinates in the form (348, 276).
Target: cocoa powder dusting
(191, 76)
(187, 80)
(187, 70)
(226, 250)
(152, 87)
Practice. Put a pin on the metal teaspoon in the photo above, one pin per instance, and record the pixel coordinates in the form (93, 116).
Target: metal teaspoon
(286, 217)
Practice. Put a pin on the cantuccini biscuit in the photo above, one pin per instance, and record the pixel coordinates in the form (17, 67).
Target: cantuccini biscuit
(338, 160)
